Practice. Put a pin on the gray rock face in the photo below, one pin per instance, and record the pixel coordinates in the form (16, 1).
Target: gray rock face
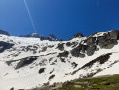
(60, 46)
(64, 54)
(26, 61)
(91, 50)
(4, 33)
(106, 41)
(4, 46)
(76, 51)
(78, 35)
(114, 34)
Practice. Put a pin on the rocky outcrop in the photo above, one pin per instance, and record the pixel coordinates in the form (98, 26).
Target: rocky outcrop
(63, 54)
(4, 33)
(60, 46)
(26, 61)
(41, 70)
(106, 41)
(78, 35)
(4, 46)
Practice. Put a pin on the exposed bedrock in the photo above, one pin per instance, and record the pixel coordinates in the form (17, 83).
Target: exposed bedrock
(106, 41)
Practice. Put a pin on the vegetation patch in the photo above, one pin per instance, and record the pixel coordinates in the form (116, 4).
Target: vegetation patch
(98, 83)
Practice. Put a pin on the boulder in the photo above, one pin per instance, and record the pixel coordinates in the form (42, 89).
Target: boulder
(41, 70)
(81, 55)
(91, 40)
(5, 45)
(76, 51)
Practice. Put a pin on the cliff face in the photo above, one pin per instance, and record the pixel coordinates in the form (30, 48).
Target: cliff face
(29, 62)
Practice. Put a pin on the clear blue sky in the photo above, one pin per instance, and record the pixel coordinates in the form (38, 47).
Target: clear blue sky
(62, 18)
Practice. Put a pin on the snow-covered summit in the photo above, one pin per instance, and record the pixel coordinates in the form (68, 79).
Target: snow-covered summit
(51, 37)
(26, 63)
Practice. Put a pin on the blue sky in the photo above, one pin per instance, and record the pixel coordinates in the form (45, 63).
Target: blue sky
(62, 18)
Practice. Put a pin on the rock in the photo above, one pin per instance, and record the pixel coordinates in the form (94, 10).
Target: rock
(5, 45)
(107, 44)
(4, 33)
(74, 65)
(91, 40)
(68, 44)
(12, 88)
(51, 77)
(62, 60)
(108, 40)
(44, 49)
(81, 55)
(78, 35)
(60, 46)
(84, 47)
(53, 37)
(91, 50)
(63, 54)
(76, 52)
(26, 61)
(41, 70)
(101, 39)
(74, 44)
(114, 34)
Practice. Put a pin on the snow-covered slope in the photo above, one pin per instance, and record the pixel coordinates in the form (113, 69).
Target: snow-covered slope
(27, 63)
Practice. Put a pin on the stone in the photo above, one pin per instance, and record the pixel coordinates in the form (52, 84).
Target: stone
(81, 55)
(60, 46)
(78, 35)
(63, 54)
(26, 61)
(68, 44)
(91, 50)
(91, 40)
(5, 45)
(41, 70)
(114, 34)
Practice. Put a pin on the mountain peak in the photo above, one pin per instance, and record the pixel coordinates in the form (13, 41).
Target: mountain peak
(51, 37)
(41, 63)
(4, 32)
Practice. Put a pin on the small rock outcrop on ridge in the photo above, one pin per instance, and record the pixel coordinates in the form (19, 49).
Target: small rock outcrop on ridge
(51, 37)
(4, 32)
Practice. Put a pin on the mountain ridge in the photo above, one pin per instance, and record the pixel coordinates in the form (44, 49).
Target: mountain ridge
(51, 37)
(29, 62)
